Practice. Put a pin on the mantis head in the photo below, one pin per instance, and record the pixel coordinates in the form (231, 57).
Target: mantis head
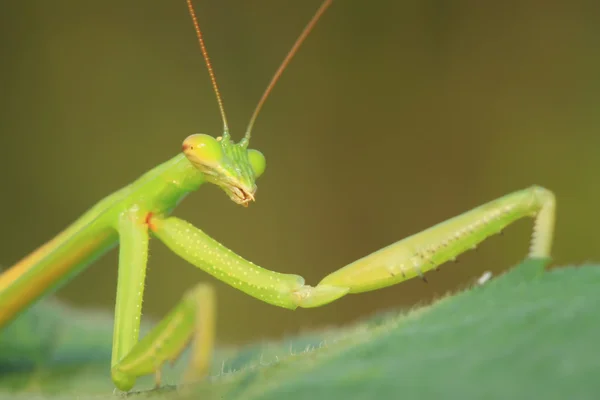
(231, 166)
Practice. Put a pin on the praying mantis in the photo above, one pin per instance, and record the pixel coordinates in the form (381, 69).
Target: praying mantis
(133, 214)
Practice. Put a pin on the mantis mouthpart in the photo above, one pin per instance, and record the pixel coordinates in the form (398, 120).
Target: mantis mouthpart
(134, 213)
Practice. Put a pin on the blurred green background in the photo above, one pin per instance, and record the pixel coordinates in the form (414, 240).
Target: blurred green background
(393, 117)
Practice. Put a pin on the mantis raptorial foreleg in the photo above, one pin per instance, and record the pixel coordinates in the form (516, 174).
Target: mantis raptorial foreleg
(426, 250)
(405, 259)
(283, 290)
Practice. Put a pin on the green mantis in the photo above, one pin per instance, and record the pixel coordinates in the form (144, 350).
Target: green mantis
(142, 209)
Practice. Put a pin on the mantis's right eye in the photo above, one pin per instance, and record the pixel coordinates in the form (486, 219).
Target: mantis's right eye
(257, 161)
(202, 149)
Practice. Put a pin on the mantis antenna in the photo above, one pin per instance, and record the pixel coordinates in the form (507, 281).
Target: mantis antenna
(209, 67)
(244, 142)
(282, 67)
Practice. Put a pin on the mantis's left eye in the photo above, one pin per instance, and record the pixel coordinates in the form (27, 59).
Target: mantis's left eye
(202, 149)
(257, 161)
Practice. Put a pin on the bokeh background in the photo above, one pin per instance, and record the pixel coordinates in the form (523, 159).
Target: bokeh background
(393, 117)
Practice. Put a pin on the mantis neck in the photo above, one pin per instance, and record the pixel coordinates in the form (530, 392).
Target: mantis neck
(163, 187)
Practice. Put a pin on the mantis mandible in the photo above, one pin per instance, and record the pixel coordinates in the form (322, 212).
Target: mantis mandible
(142, 209)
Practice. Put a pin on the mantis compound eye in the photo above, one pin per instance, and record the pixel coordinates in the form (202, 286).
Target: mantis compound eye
(257, 161)
(202, 150)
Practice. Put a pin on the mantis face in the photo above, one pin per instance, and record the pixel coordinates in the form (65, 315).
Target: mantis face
(231, 166)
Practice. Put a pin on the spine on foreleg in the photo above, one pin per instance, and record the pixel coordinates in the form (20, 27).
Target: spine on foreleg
(443, 242)
(201, 250)
(543, 227)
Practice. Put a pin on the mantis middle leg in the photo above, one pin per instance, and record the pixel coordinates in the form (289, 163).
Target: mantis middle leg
(192, 319)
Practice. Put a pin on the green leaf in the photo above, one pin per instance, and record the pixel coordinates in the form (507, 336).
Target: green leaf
(524, 335)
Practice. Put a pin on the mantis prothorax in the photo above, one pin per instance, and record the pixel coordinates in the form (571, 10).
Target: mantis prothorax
(133, 213)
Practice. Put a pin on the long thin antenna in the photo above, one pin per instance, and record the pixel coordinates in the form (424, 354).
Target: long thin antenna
(209, 67)
(283, 65)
